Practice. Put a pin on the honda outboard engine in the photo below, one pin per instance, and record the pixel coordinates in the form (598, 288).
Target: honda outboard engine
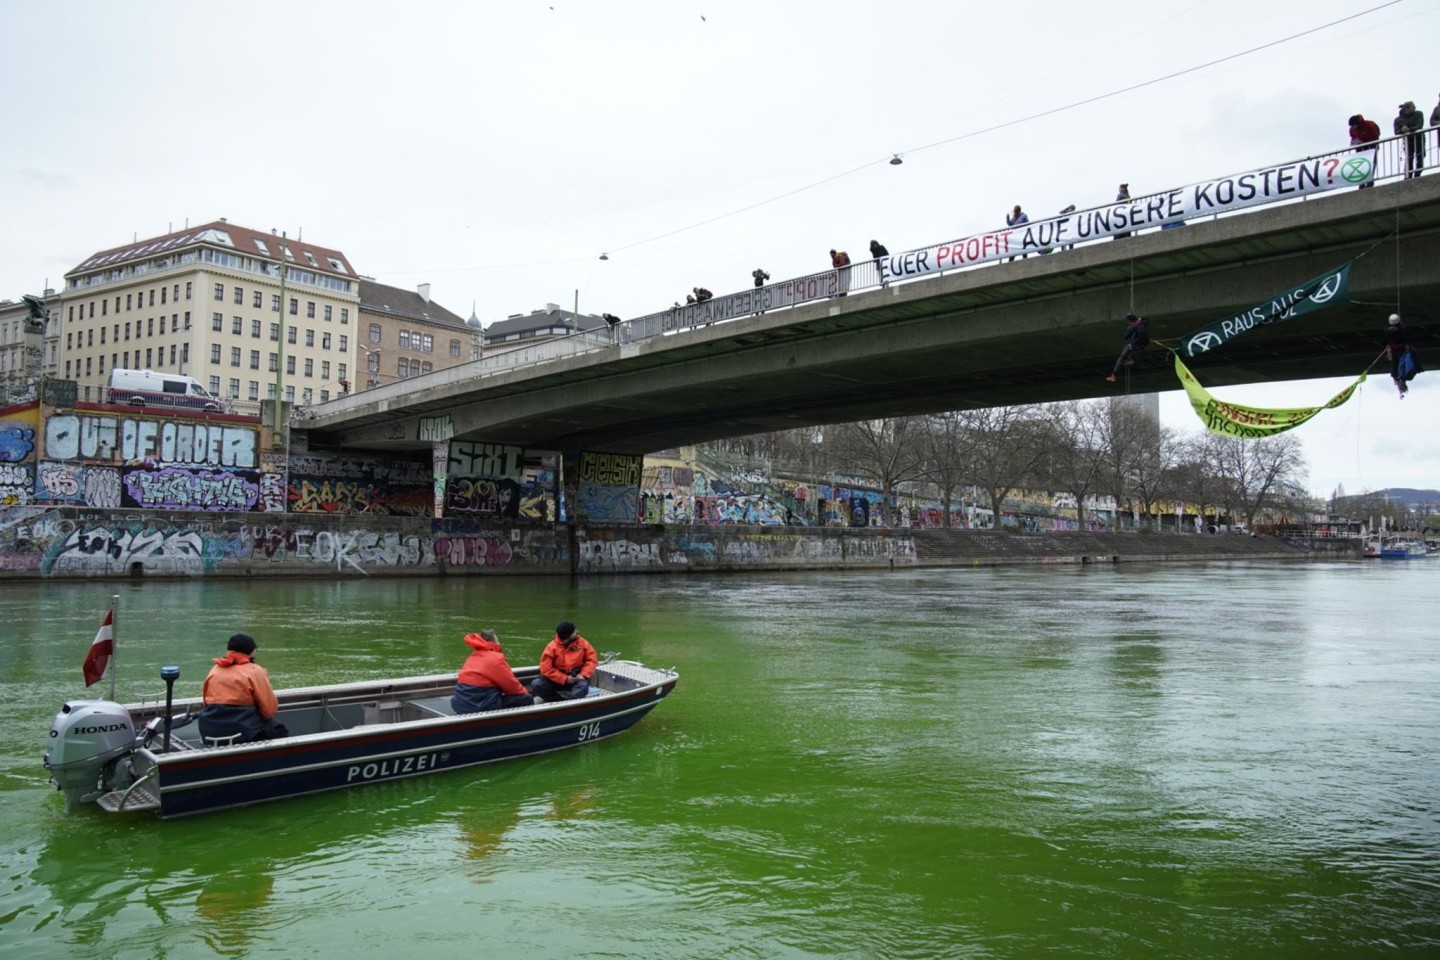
(86, 738)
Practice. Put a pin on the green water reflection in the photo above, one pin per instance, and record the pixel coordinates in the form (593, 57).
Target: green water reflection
(1225, 761)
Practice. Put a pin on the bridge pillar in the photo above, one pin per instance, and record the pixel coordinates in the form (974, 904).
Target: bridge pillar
(439, 462)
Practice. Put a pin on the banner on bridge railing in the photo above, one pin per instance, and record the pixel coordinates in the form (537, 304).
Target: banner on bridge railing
(1285, 181)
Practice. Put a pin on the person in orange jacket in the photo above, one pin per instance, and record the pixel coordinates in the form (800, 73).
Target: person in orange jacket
(238, 697)
(566, 666)
(486, 681)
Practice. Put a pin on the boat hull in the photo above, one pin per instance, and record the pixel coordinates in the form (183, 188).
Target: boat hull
(193, 779)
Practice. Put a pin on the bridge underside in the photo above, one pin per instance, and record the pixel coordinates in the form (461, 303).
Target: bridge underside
(1037, 330)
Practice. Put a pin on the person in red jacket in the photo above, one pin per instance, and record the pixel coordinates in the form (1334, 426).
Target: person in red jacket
(566, 666)
(486, 681)
(239, 702)
(1363, 135)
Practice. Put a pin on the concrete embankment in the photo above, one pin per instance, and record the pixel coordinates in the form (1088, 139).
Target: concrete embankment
(75, 543)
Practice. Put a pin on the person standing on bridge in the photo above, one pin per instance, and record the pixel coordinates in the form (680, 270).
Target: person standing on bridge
(840, 260)
(1137, 335)
(1017, 218)
(1364, 133)
(1121, 196)
(1435, 122)
(879, 253)
(1409, 122)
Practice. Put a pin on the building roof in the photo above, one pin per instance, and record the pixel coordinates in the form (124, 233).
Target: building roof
(541, 322)
(221, 233)
(405, 304)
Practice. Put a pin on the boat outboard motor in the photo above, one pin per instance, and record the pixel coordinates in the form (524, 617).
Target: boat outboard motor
(85, 738)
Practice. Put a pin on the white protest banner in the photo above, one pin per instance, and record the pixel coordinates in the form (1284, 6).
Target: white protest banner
(1267, 185)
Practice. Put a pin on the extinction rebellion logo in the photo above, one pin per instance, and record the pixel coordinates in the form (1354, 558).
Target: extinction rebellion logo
(1357, 169)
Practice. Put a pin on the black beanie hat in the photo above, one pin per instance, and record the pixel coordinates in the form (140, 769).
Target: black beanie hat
(242, 643)
(564, 630)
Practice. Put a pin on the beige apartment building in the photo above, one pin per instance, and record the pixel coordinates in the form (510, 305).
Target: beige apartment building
(244, 312)
(403, 333)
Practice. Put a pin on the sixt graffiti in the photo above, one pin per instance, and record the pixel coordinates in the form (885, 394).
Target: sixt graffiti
(494, 460)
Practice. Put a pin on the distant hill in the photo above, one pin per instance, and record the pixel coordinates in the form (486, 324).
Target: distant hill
(1409, 495)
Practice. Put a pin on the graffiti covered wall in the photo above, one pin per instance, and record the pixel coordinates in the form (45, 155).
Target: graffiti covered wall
(60, 543)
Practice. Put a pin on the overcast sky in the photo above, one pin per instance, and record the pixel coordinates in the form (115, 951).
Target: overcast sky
(495, 150)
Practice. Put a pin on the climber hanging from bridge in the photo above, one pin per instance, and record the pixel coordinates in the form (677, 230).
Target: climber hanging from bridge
(1137, 335)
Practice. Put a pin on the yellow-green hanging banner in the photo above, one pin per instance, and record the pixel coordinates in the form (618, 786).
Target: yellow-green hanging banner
(1233, 420)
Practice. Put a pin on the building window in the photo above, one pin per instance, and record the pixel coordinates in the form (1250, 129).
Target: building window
(234, 356)
(325, 341)
(274, 362)
(259, 300)
(427, 343)
(310, 309)
(219, 291)
(255, 329)
(344, 343)
(162, 294)
(152, 298)
(344, 315)
(290, 365)
(187, 319)
(404, 337)
(294, 306)
(184, 353)
(127, 301)
(104, 308)
(240, 296)
(309, 338)
(454, 348)
(324, 395)
(274, 303)
(254, 359)
(172, 354)
(309, 367)
(254, 390)
(374, 333)
(275, 332)
(289, 394)
(325, 370)
(237, 325)
(234, 389)
(217, 322)
(188, 285)
(290, 334)
(310, 258)
(215, 386)
(150, 327)
(306, 395)
(340, 369)
(425, 367)
(402, 367)
(328, 308)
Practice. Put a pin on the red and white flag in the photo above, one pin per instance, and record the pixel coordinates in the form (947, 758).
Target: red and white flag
(100, 650)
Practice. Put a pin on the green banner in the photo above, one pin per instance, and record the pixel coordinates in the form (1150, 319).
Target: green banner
(1314, 294)
(1233, 420)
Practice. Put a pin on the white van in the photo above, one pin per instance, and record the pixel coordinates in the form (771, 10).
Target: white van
(165, 389)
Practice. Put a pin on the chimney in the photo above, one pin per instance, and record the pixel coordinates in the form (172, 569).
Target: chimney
(424, 291)
(550, 308)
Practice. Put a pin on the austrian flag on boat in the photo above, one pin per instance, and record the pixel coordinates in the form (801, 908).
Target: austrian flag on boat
(100, 650)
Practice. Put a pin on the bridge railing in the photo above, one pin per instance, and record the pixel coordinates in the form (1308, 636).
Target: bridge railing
(1291, 182)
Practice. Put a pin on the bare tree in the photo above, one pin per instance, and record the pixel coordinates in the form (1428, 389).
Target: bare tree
(1001, 449)
(1076, 453)
(891, 450)
(1142, 455)
(946, 457)
(1255, 470)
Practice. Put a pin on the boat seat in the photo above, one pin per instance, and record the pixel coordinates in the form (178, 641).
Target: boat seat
(226, 741)
(429, 707)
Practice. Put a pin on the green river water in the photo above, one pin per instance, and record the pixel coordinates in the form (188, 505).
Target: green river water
(1226, 760)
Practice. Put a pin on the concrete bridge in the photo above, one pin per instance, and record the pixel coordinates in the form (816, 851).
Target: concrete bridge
(1039, 329)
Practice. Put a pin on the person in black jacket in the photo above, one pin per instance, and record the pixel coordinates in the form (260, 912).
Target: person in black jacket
(1137, 335)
